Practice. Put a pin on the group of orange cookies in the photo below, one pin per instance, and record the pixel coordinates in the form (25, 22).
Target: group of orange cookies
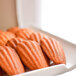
(33, 49)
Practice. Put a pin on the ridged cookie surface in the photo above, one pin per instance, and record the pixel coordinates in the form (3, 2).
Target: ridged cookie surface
(13, 42)
(31, 55)
(53, 50)
(24, 33)
(5, 36)
(36, 36)
(9, 61)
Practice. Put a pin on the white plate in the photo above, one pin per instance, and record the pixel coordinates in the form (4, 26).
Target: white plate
(70, 52)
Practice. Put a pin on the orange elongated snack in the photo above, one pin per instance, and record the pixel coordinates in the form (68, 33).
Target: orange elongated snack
(24, 33)
(5, 36)
(53, 50)
(9, 61)
(31, 55)
(28, 30)
(13, 29)
(10, 35)
(36, 36)
(13, 42)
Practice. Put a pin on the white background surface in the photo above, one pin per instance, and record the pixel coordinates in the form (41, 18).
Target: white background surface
(59, 18)
(70, 73)
(28, 12)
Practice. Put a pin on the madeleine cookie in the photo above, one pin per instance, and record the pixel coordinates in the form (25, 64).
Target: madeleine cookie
(13, 29)
(53, 50)
(31, 55)
(28, 30)
(9, 61)
(36, 36)
(5, 36)
(13, 42)
(24, 33)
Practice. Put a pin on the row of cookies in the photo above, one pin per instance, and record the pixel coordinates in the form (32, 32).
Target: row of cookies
(33, 49)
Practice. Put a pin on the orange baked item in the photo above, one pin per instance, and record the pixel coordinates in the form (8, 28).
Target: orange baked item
(10, 35)
(5, 36)
(28, 30)
(9, 61)
(13, 29)
(13, 42)
(24, 33)
(53, 50)
(36, 36)
(31, 55)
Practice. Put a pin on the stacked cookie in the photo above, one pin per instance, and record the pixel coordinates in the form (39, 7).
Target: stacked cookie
(35, 50)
